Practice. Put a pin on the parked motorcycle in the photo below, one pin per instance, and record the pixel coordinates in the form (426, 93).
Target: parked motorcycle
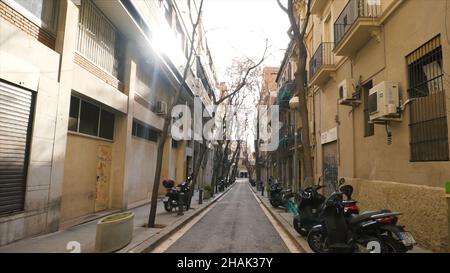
(221, 185)
(373, 231)
(309, 202)
(278, 196)
(172, 198)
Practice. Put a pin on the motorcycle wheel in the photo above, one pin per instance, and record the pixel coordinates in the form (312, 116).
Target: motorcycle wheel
(168, 206)
(298, 227)
(317, 242)
(274, 203)
(391, 245)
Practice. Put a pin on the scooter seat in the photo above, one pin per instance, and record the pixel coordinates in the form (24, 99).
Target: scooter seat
(365, 216)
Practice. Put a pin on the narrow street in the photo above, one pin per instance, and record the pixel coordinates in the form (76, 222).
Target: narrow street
(236, 224)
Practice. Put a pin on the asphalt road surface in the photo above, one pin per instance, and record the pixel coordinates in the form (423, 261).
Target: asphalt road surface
(236, 224)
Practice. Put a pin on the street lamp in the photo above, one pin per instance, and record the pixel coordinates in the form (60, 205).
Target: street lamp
(294, 104)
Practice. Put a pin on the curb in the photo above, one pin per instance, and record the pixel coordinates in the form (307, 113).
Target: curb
(151, 243)
(287, 228)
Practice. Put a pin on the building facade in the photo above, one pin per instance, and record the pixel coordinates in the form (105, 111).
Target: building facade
(394, 152)
(84, 87)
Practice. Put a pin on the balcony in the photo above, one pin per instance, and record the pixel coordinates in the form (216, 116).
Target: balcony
(322, 65)
(287, 137)
(356, 25)
(317, 6)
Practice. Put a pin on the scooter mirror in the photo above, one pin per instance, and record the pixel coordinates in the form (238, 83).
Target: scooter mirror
(341, 182)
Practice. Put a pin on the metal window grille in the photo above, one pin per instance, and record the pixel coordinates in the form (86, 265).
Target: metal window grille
(428, 116)
(98, 39)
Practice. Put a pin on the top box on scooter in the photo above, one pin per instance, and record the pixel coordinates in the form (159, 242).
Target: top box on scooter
(168, 183)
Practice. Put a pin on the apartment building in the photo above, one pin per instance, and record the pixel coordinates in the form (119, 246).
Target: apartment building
(281, 163)
(379, 106)
(84, 87)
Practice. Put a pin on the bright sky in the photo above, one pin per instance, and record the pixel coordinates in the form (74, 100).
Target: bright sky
(237, 28)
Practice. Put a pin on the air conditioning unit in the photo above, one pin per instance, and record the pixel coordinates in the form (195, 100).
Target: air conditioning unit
(384, 101)
(346, 90)
(161, 108)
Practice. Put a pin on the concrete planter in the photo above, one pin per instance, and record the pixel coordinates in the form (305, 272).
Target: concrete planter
(206, 194)
(114, 232)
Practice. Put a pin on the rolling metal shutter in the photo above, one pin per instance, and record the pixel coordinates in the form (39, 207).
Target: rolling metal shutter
(15, 123)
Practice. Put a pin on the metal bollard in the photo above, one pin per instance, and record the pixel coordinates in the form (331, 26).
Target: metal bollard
(180, 203)
(447, 190)
(200, 197)
(262, 190)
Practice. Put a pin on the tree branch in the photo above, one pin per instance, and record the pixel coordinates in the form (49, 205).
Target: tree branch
(283, 8)
(244, 80)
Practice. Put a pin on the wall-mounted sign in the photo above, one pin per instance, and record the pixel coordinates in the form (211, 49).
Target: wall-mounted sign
(329, 136)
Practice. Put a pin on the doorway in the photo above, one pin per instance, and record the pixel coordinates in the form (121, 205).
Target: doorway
(330, 167)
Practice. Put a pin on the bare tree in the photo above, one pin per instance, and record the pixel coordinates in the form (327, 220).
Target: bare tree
(297, 31)
(167, 121)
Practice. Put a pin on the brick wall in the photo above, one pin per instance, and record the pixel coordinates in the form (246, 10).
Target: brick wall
(98, 72)
(15, 18)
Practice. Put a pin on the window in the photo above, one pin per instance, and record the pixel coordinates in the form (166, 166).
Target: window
(369, 128)
(180, 36)
(144, 131)
(99, 41)
(168, 12)
(428, 114)
(74, 113)
(90, 119)
(174, 144)
(106, 124)
(42, 12)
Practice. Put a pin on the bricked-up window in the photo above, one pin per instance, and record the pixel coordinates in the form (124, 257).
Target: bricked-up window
(90, 119)
(99, 41)
(144, 131)
(428, 115)
(41, 12)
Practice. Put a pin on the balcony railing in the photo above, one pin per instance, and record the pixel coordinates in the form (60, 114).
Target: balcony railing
(355, 10)
(323, 56)
(287, 137)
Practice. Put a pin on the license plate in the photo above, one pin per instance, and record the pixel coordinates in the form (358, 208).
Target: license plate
(407, 238)
(166, 199)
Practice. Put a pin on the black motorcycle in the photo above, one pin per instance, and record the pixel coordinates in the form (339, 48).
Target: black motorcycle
(375, 231)
(221, 185)
(309, 203)
(172, 198)
(278, 196)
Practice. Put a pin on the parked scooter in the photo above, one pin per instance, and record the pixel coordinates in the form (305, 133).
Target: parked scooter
(278, 196)
(309, 202)
(374, 231)
(173, 194)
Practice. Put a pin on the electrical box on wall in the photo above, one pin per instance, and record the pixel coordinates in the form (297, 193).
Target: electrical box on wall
(384, 102)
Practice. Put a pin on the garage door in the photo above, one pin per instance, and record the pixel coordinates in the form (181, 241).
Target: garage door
(15, 124)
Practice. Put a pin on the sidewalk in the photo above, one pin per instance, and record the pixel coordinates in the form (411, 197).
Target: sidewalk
(85, 233)
(286, 220)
